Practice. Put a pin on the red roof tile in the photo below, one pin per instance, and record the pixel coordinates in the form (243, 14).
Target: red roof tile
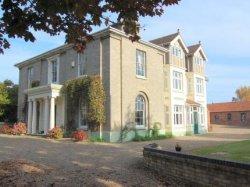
(229, 107)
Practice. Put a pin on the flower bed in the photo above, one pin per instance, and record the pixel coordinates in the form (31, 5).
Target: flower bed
(18, 128)
(79, 135)
(55, 133)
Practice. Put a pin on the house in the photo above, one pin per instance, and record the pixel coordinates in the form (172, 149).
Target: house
(162, 81)
(230, 113)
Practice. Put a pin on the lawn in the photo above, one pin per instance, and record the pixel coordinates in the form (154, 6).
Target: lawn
(237, 151)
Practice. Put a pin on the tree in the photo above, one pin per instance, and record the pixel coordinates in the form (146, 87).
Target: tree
(8, 101)
(4, 99)
(75, 18)
(243, 93)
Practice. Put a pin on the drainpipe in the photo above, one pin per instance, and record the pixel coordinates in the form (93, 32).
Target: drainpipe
(121, 75)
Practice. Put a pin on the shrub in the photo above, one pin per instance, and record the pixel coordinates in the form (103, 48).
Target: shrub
(79, 135)
(6, 129)
(96, 139)
(55, 133)
(19, 128)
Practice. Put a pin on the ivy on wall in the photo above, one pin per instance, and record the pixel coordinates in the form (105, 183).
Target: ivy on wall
(90, 90)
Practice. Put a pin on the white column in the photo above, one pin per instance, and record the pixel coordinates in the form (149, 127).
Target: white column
(29, 117)
(34, 117)
(52, 113)
(40, 116)
(46, 115)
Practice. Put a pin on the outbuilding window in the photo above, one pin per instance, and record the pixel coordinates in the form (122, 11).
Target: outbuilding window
(229, 117)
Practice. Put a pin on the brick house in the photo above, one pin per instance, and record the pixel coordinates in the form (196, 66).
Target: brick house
(230, 113)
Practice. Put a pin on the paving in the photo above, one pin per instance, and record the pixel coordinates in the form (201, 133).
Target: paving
(65, 163)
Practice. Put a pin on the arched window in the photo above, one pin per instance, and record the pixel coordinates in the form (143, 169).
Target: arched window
(140, 111)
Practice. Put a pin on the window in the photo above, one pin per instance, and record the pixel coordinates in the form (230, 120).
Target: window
(177, 80)
(243, 117)
(140, 63)
(140, 111)
(30, 75)
(83, 115)
(216, 117)
(53, 73)
(176, 51)
(199, 86)
(199, 63)
(178, 115)
(81, 64)
(229, 117)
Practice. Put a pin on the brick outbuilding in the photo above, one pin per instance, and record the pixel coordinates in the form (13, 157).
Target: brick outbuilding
(230, 113)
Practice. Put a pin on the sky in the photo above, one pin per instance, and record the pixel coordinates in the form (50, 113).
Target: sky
(222, 26)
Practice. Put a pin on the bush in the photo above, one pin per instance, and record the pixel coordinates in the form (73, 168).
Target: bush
(6, 129)
(55, 133)
(96, 139)
(79, 135)
(19, 128)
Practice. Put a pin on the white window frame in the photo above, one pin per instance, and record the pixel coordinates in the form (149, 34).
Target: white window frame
(140, 107)
(50, 70)
(30, 75)
(81, 61)
(83, 111)
(178, 115)
(141, 64)
(202, 115)
(199, 85)
(177, 80)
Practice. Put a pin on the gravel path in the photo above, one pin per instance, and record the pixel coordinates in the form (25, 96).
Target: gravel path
(65, 163)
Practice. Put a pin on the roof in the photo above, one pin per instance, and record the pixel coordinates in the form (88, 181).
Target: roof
(230, 107)
(193, 48)
(165, 39)
(66, 46)
(192, 103)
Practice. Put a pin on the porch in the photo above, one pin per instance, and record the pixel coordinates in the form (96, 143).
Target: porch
(45, 108)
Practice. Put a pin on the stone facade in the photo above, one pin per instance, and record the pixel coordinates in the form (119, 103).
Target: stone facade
(191, 170)
(114, 57)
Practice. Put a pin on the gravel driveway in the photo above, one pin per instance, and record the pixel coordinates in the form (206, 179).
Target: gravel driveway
(101, 164)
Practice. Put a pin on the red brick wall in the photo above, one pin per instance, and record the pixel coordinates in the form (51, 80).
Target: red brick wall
(235, 118)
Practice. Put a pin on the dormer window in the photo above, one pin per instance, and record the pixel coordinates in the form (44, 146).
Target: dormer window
(176, 51)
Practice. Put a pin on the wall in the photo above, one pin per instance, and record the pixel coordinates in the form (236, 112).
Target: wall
(125, 85)
(196, 171)
(235, 119)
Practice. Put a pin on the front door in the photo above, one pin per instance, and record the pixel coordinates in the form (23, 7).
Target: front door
(196, 123)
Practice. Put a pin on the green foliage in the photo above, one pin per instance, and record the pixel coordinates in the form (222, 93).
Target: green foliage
(35, 84)
(140, 138)
(8, 101)
(96, 139)
(238, 151)
(96, 99)
(55, 133)
(90, 90)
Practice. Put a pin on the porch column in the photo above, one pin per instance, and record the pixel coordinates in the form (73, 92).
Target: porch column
(34, 117)
(46, 115)
(52, 113)
(29, 117)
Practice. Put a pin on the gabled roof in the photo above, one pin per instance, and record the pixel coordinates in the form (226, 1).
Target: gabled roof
(197, 47)
(164, 39)
(240, 106)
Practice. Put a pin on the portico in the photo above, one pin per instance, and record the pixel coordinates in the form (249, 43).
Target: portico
(44, 106)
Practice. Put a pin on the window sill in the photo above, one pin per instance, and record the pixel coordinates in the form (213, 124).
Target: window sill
(141, 77)
(83, 128)
(142, 127)
(178, 91)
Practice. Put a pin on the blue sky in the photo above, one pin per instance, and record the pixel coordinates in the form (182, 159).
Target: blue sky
(222, 26)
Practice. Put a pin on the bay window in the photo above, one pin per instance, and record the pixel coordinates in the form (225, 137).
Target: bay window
(177, 80)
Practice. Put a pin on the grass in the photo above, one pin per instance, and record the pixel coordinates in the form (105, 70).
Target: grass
(139, 138)
(237, 151)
